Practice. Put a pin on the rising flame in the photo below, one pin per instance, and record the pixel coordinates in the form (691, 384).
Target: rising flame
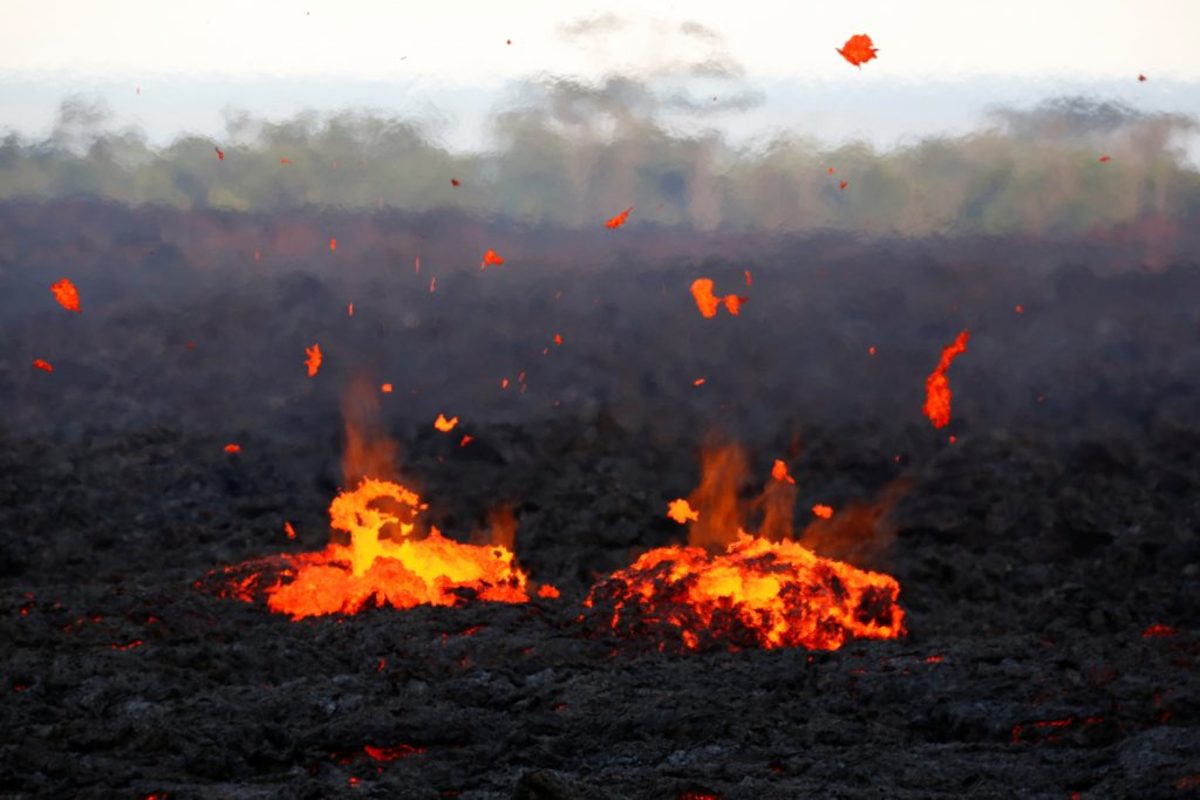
(937, 386)
(736, 589)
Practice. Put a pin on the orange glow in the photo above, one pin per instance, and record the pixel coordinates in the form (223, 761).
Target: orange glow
(233, 448)
(433, 284)
(445, 425)
(465, 440)
(289, 530)
(392, 753)
(399, 569)
(504, 383)
(733, 303)
(558, 340)
(749, 277)
(548, 592)
(831, 170)
(491, 258)
(386, 388)
(822, 511)
(312, 359)
(619, 219)
(779, 472)
(681, 512)
(285, 161)
(1105, 159)
(67, 295)
(1019, 309)
(698, 382)
(333, 244)
(937, 386)
(871, 350)
(43, 365)
(730, 587)
(858, 49)
(350, 310)
(1158, 631)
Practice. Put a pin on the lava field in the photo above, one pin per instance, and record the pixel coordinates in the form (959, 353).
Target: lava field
(1044, 541)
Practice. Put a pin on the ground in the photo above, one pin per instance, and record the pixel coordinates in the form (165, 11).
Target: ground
(1048, 557)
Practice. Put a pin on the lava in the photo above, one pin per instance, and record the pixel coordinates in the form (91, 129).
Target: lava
(708, 303)
(937, 386)
(312, 359)
(388, 556)
(858, 49)
(741, 590)
(401, 571)
(43, 365)
(619, 219)
(67, 295)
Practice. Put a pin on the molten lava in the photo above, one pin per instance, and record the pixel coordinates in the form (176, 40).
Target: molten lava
(67, 295)
(401, 571)
(390, 557)
(858, 49)
(744, 590)
(708, 303)
(619, 219)
(937, 386)
(312, 359)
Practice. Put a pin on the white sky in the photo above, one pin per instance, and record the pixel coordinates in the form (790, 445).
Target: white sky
(464, 42)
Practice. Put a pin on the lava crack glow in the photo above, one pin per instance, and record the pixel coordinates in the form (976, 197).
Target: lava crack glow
(373, 570)
(760, 591)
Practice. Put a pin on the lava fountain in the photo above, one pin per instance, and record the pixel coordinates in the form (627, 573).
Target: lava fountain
(731, 588)
(390, 556)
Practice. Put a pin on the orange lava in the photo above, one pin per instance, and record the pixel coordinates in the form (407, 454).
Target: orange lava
(740, 590)
(822, 511)
(491, 258)
(858, 49)
(445, 425)
(937, 386)
(233, 448)
(67, 295)
(401, 570)
(619, 219)
(708, 303)
(43, 365)
(779, 472)
(681, 512)
(312, 359)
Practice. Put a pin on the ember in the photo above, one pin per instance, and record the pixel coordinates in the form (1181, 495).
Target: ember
(757, 593)
(43, 365)
(312, 359)
(619, 219)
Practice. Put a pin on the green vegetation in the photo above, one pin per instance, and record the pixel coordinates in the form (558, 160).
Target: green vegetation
(574, 161)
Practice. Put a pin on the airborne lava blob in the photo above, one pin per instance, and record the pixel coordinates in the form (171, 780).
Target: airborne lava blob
(937, 385)
(751, 592)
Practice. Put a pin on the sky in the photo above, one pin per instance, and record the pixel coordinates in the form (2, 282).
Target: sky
(174, 67)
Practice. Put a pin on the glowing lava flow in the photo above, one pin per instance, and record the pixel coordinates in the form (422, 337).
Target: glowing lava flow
(402, 571)
(758, 592)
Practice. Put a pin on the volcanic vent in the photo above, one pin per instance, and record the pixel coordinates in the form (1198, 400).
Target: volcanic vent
(737, 589)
